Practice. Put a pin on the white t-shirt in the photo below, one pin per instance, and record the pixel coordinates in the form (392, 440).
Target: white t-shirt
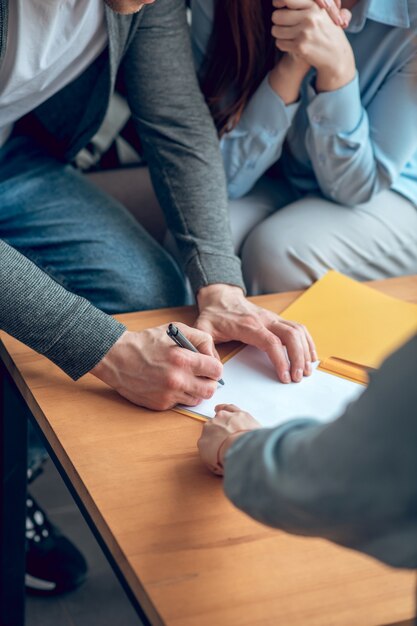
(49, 44)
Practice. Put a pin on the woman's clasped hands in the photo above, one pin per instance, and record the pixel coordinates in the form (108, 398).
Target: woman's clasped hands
(312, 33)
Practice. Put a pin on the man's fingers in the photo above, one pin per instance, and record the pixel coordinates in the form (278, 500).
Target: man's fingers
(311, 345)
(306, 350)
(291, 338)
(202, 389)
(265, 340)
(271, 343)
(195, 365)
(307, 343)
(189, 400)
(192, 373)
(194, 391)
(311, 352)
(199, 338)
(205, 366)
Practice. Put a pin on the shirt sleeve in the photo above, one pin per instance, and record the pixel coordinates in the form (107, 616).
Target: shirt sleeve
(180, 143)
(356, 150)
(65, 328)
(255, 144)
(351, 481)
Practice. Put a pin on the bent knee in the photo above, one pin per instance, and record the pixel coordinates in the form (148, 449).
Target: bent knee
(160, 286)
(276, 262)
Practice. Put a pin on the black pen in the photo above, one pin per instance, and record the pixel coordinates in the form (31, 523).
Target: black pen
(182, 341)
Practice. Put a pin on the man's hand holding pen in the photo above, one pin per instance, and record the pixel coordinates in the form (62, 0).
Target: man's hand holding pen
(148, 369)
(227, 315)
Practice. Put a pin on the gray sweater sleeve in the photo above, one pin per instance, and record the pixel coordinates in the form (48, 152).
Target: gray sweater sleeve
(180, 143)
(353, 481)
(65, 328)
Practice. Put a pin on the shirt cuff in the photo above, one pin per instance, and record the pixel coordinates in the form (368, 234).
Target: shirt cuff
(261, 436)
(85, 341)
(252, 463)
(339, 111)
(267, 111)
(213, 268)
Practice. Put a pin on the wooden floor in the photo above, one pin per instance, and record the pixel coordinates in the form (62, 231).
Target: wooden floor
(101, 601)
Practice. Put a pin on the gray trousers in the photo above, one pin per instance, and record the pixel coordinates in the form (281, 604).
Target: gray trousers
(287, 243)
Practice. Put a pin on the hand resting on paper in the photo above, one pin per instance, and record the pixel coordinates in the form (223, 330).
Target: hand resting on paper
(221, 432)
(227, 315)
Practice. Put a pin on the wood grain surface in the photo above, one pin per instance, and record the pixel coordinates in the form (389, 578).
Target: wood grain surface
(190, 558)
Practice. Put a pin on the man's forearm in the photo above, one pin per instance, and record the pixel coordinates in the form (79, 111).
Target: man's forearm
(64, 327)
(180, 144)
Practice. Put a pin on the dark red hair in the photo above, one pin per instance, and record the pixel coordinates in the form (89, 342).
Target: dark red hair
(240, 53)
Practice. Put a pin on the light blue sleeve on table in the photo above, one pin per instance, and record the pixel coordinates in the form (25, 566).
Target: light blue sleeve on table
(357, 152)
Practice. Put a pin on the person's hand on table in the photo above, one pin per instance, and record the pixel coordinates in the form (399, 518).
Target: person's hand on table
(227, 315)
(148, 369)
(302, 29)
(221, 432)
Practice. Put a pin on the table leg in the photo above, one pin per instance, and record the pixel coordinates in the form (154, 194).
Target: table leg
(13, 460)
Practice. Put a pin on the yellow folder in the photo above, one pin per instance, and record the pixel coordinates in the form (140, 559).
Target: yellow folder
(354, 326)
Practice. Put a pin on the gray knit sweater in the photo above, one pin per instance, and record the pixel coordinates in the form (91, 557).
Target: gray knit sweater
(153, 51)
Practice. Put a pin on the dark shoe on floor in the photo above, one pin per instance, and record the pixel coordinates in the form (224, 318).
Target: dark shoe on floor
(53, 563)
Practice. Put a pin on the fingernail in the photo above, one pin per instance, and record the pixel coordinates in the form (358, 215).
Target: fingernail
(286, 378)
(298, 374)
(315, 356)
(308, 368)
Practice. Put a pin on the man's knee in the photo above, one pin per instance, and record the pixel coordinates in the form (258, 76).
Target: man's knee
(161, 286)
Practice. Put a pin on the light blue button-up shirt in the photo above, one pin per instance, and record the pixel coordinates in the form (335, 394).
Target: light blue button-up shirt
(348, 144)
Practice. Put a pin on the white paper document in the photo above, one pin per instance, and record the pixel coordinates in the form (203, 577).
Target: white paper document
(251, 383)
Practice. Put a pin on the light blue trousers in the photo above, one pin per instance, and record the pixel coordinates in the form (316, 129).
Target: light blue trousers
(286, 242)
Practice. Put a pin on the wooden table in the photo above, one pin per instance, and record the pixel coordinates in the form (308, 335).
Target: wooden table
(186, 556)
